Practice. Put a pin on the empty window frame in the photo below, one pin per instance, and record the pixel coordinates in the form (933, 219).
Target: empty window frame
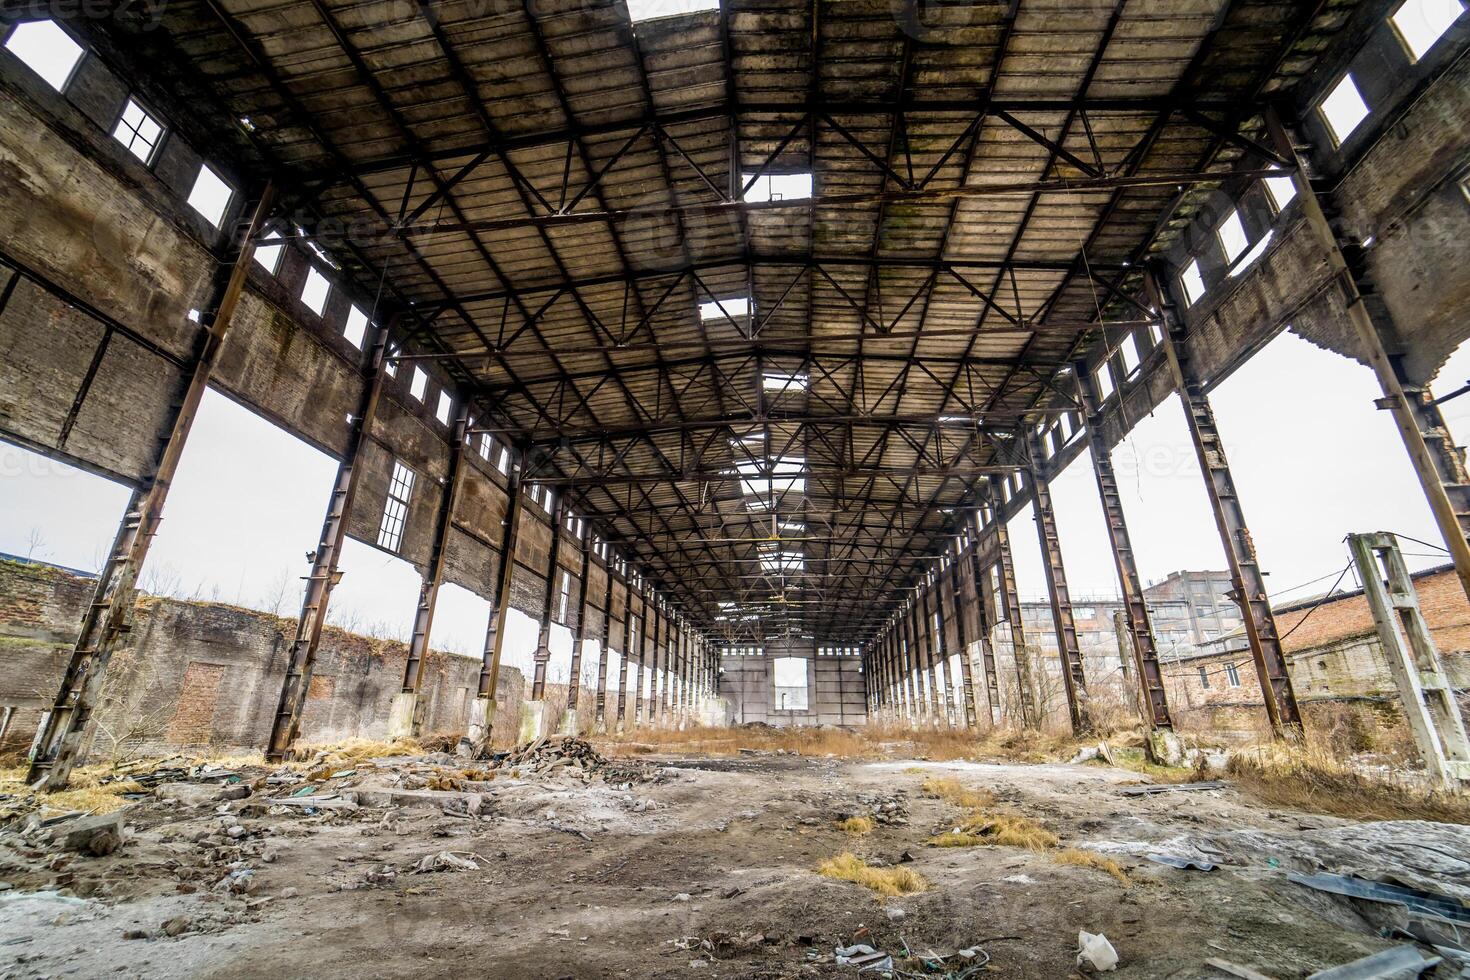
(1204, 678)
(564, 597)
(355, 329)
(445, 408)
(1420, 23)
(1232, 675)
(418, 384)
(1232, 236)
(1104, 378)
(395, 507)
(1343, 109)
(1129, 351)
(138, 131)
(315, 290)
(503, 462)
(776, 187)
(46, 49)
(1192, 282)
(1281, 190)
(210, 195)
(268, 257)
(486, 447)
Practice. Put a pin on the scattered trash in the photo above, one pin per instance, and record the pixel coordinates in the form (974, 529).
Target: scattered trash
(1399, 963)
(443, 861)
(864, 957)
(1183, 864)
(1153, 788)
(1413, 899)
(1094, 950)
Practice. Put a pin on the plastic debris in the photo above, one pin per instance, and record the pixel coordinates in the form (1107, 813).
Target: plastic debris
(443, 861)
(1183, 864)
(1094, 950)
(1413, 899)
(864, 957)
(1399, 963)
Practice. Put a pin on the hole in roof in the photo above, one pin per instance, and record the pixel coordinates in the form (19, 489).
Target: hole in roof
(47, 50)
(1193, 282)
(210, 195)
(732, 308)
(1420, 23)
(1344, 109)
(641, 10)
(776, 187)
(779, 381)
(1232, 236)
(315, 290)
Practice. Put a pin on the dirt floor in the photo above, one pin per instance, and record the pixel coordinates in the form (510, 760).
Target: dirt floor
(681, 866)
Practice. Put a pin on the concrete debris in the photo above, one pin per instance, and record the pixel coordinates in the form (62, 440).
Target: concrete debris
(1094, 950)
(96, 835)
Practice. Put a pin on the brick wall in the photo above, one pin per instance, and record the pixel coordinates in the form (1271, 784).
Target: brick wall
(206, 675)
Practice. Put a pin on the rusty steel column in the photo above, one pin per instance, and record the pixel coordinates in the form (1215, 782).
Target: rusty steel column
(924, 626)
(1437, 461)
(967, 678)
(599, 717)
(107, 617)
(627, 653)
(1146, 652)
(407, 718)
(542, 657)
(1030, 716)
(653, 679)
(642, 645)
(324, 573)
(480, 728)
(579, 632)
(911, 638)
(1235, 535)
(983, 626)
(1074, 678)
(934, 623)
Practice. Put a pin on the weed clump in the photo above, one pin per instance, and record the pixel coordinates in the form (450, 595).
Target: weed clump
(890, 882)
(1005, 829)
(1310, 778)
(856, 826)
(1091, 859)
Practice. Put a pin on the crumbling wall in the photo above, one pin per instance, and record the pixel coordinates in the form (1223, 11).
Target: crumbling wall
(207, 675)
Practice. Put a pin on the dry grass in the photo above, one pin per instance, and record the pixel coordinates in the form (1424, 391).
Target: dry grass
(1091, 859)
(1005, 829)
(86, 792)
(951, 790)
(352, 751)
(1311, 778)
(890, 882)
(856, 825)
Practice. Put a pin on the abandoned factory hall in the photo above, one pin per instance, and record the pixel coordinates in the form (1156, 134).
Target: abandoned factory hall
(748, 489)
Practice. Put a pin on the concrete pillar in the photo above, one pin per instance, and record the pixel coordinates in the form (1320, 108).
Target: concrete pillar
(482, 713)
(533, 709)
(967, 681)
(1074, 679)
(983, 627)
(1030, 715)
(599, 719)
(59, 741)
(570, 723)
(628, 634)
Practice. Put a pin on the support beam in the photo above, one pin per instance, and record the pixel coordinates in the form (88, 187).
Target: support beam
(482, 713)
(1140, 628)
(628, 633)
(654, 693)
(324, 573)
(1030, 715)
(405, 718)
(570, 722)
(599, 719)
(542, 657)
(1074, 678)
(967, 680)
(1437, 461)
(107, 619)
(934, 623)
(1235, 536)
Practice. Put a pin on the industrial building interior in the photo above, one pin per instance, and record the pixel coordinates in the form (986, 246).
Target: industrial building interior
(658, 391)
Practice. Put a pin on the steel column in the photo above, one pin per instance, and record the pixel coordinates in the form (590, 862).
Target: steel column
(642, 645)
(1074, 677)
(934, 622)
(654, 693)
(495, 633)
(1437, 461)
(1030, 716)
(1140, 629)
(579, 632)
(1235, 535)
(548, 603)
(967, 679)
(605, 653)
(107, 618)
(627, 653)
(324, 574)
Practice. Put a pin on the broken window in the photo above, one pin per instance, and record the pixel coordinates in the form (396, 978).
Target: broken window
(790, 683)
(355, 329)
(487, 447)
(47, 50)
(1343, 109)
(210, 195)
(315, 290)
(269, 256)
(1204, 678)
(1193, 282)
(390, 362)
(1129, 349)
(395, 508)
(776, 187)
(1104, 377)
(444, 408)
(503, 463)
(1282, 190)
(418, 384)
(1232, 236)
(1420, 23)
(564, 599)
(640, 10)
(138, 131)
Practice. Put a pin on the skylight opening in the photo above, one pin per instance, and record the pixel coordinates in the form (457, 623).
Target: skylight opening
(777, 187)
(356, 327)
(782, 381)
(956, 420)
(269, 256)
(210, 196)
(1343, 109)
(138, 131)
(47, 50)
(1193, 282)
(1420, 23)
(315, 290)
(1232, 236)
(641, 10)
(732, 307)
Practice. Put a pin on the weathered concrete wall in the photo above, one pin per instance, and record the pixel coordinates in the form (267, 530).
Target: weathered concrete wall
(834, 690)
(207, 676)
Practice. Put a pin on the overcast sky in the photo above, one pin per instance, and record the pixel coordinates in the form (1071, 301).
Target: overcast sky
(1313, 460)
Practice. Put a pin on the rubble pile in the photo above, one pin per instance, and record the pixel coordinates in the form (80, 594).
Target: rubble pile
(567, 753)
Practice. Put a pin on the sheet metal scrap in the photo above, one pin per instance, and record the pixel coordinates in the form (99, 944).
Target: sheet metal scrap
(1425, 903)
